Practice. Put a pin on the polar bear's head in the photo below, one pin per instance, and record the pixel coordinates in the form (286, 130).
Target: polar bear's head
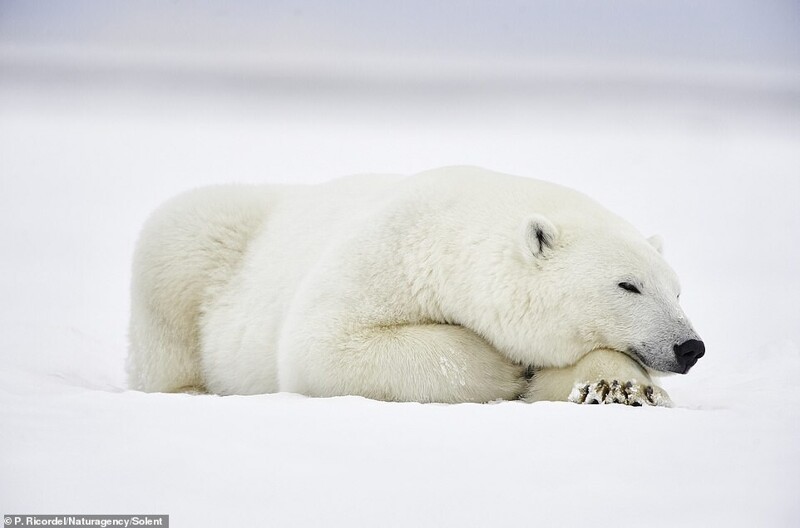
(601, 286)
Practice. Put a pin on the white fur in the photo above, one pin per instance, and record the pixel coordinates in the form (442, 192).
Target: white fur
(442, 287)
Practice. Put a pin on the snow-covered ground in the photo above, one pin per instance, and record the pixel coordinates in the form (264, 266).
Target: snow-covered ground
(709, 158)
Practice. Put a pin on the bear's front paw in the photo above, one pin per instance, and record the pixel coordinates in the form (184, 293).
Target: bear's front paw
(627, 393)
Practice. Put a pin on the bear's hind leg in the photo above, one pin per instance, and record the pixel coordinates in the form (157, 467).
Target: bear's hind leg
(161, 359)
(601, 376)
(417, 363)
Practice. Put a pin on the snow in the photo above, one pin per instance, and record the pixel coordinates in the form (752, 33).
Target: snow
(707, 155)
(728, 456)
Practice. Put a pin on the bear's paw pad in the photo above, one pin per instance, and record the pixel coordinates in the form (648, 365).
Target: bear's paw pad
(627, 393)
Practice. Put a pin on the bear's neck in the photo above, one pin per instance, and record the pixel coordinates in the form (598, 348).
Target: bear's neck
(467, 273)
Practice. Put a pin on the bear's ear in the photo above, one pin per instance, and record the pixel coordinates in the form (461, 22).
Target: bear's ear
(540, 234)
(657, 243)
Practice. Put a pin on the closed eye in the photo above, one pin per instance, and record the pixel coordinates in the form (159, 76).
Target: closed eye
(629, 287)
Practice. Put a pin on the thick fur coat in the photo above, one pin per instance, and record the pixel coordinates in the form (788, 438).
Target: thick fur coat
(453, 285)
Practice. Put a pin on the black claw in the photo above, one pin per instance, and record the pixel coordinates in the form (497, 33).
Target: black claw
(602, 389)
(584, 391)
(617, 396)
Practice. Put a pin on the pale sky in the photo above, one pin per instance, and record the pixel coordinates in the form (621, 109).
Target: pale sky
(718, 30)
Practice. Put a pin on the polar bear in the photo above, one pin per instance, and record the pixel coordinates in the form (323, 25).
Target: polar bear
(453, 285)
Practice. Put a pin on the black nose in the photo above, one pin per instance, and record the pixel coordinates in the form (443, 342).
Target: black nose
(689, 352)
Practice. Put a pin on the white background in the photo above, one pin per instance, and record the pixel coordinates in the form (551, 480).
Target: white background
(684, 118)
